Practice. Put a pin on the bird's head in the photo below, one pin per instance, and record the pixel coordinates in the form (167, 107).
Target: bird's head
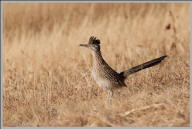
(93, 44)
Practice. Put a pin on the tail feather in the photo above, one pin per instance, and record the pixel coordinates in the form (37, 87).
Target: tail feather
(142, 66)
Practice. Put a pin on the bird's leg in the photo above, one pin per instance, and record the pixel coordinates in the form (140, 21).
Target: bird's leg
(110, 94)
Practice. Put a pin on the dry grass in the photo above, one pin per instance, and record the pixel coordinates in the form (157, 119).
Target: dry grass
(46, 75)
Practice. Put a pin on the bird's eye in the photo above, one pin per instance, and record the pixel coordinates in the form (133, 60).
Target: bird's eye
(94, 45)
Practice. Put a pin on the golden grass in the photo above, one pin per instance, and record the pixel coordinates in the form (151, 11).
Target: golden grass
(46, 75)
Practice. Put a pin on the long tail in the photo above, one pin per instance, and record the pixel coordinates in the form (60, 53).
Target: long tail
(142, 66)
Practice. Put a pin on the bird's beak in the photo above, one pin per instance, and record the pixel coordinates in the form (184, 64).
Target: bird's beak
(84, 45)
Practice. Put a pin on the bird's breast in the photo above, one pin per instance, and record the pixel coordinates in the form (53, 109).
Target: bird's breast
(101, 80)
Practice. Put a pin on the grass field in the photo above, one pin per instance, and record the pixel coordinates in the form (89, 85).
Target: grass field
(46, 75)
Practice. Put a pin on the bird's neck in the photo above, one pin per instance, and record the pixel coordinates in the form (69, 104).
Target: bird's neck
(97, 58)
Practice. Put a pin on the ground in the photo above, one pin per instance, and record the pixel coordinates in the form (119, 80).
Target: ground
(46, 75)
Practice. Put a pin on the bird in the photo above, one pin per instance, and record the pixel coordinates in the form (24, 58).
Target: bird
(106, 77)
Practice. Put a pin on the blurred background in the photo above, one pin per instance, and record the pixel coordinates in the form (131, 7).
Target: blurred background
(46, 75)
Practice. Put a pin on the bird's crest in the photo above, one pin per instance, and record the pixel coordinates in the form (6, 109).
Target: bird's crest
(94, 40)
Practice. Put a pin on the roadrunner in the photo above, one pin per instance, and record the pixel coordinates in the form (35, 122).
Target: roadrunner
(104, 75)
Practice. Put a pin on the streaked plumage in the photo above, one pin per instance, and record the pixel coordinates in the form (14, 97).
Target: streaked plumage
(104, 75)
